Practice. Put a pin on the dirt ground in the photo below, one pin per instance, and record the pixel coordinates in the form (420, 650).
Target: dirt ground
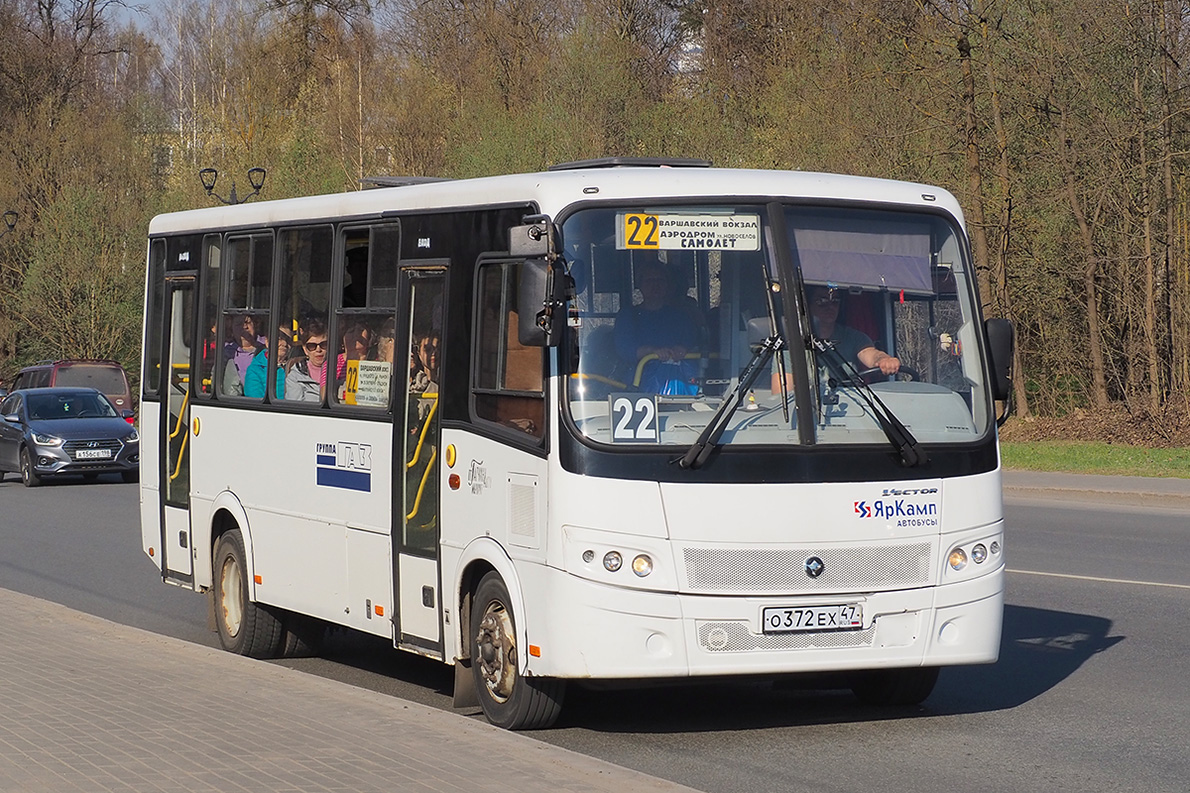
(1116, 424)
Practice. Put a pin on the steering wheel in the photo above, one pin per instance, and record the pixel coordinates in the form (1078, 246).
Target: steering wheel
(874, 372)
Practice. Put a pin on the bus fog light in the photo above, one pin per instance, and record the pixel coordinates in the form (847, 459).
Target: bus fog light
(958, 559)
(612, 561)
(995, 548)
(979, 553)
(642, 565)
(588, 556)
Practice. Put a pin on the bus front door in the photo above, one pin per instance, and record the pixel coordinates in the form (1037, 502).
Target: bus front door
(418, 470)
(177, 564)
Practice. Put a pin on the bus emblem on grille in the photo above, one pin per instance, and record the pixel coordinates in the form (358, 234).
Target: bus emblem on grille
(814, 567)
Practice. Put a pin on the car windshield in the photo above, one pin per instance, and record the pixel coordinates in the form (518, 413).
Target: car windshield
(105, 378)
(672, 302)
(50, 407)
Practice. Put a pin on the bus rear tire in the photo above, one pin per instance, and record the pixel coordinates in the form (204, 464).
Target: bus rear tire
(508, 699)
(244, 627)
(895, 687)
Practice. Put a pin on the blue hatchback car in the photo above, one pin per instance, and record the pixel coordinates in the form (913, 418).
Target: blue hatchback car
(52, 432)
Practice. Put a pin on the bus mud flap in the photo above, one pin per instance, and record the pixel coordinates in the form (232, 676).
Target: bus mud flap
(465, 695)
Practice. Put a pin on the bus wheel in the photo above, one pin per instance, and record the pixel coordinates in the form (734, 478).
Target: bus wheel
(244, 627)
(895, 687)
(508, 699)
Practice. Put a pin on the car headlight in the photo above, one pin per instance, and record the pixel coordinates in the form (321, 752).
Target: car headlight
(132, 437)
(46, 440)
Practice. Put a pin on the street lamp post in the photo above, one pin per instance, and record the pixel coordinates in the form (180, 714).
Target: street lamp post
(255, 178)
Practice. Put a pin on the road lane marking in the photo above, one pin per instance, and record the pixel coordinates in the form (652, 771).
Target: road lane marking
(1102, 580)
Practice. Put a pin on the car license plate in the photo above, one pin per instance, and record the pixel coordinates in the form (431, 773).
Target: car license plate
(93, 454)
(789, 619)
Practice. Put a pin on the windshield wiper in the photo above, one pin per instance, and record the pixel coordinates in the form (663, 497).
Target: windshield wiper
(898, 434)
(697, 454)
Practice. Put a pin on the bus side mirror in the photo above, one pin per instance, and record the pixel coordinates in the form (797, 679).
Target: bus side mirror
(999, 333)
(542, 292)
(533, 239)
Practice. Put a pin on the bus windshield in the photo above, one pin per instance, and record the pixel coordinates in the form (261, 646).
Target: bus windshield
(672, 302)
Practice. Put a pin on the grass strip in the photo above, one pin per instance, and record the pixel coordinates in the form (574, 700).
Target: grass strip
(1093, 457)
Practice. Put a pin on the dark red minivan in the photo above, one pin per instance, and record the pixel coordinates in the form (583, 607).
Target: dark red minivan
(107, 377)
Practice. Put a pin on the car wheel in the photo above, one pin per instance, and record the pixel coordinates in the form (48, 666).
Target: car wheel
(508, 699)
(244, 627)
(28, 476)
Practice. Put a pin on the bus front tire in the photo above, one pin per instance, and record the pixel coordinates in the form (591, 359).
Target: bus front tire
(508, 699)
(244, 627)
(895, 687)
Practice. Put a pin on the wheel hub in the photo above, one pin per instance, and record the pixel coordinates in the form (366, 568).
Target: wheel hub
(497, 652)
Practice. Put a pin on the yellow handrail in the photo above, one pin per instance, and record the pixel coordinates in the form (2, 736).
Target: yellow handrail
(181, 456)
(422, 485)
(181, 417)
(425, 429)
(178, 428)
(597, 378)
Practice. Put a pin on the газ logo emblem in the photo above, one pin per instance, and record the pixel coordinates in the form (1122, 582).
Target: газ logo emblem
(344, 465)
(814, 567)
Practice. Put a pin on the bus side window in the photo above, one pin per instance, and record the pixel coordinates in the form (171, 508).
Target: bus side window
(508, 386)
(304, 266)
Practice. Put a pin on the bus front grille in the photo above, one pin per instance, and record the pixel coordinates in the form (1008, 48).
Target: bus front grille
(763, 571)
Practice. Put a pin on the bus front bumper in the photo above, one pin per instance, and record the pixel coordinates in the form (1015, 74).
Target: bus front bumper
(612, 633)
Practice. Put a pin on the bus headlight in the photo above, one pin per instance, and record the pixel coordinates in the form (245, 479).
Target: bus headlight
(612, 561)
(642, 565)
(958, 559)
(979, 553)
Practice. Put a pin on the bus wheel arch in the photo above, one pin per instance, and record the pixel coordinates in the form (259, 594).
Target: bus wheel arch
(509, 698)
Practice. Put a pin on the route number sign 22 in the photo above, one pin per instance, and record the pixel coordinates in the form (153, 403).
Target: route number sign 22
(634, 418)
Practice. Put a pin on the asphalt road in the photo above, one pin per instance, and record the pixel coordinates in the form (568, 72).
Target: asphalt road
(1088, 695)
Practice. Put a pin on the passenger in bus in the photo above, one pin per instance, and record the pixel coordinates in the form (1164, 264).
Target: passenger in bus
(239, 352)
(357, 344)
(306, 379)
(425, 379)
(662, 327)
(386, 341)
(256, 378)
(855, 346)
(357, 341)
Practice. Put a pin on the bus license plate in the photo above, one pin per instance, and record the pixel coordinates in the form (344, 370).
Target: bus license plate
(93, 454)
(789, 619)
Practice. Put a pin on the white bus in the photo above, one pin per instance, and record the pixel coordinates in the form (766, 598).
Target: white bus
(649, 427)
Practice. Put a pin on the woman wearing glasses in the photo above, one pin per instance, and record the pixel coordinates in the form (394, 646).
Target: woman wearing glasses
(306, 381)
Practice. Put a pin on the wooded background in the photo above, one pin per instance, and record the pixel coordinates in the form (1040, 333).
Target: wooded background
(1062, 125)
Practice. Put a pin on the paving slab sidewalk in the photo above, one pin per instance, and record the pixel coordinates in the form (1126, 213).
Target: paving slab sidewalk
(91, 705)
